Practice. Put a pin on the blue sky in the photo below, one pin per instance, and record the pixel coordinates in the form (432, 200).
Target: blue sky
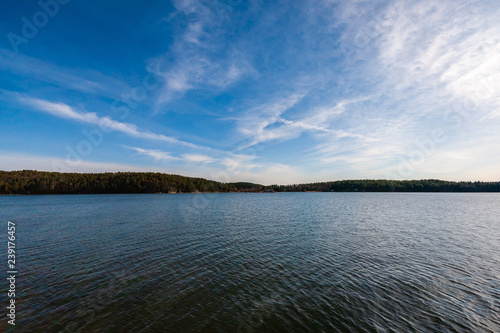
(263, 91)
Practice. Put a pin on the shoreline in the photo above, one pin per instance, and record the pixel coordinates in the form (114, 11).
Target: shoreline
(46, 194)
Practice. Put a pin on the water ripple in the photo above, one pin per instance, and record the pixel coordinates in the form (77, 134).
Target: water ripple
(297, 262)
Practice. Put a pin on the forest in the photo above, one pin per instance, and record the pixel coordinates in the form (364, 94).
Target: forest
(40, 182)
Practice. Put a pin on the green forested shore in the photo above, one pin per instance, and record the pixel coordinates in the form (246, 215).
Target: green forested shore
(38, 182)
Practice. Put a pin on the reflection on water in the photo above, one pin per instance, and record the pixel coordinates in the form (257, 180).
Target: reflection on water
(284, 262)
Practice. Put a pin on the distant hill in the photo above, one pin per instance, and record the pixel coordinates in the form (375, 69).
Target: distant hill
(39, 182)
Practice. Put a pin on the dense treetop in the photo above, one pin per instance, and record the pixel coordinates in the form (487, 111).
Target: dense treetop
(38, 182)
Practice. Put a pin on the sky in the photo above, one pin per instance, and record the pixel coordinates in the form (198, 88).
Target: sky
(272, 92)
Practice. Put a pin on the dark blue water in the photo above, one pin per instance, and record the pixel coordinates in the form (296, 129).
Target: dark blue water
(284, 262)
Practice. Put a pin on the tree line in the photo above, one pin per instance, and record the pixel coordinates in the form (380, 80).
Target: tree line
(40, 182)
(383, 185)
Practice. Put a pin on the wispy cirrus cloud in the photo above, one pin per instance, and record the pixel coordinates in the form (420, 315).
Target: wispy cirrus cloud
(423, 47)
(230, 160)
(65, 111)
(267, 122)
(253, 123)
(199, 57)
(158, 155)
(84, 81)
(426, 66)
(224, 166)
(240, 162)
(198, 158)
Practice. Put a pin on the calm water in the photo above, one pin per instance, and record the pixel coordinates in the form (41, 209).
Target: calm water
(294, 262)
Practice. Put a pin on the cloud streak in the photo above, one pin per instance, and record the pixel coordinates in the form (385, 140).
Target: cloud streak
(154, 153)
(65, 111)
(85, 81)
(267, 123)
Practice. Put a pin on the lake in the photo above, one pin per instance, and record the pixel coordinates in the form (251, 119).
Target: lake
(245, 262)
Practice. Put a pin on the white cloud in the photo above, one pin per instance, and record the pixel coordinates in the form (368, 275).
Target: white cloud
(199, 59)
(231, 161)
(419, 61)
(65, 111)
(450, 45)
(198, 158)
(156, 154)
(239, 162)
(266, 123)
(254, 122)
(195, 70)
(229, 167)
